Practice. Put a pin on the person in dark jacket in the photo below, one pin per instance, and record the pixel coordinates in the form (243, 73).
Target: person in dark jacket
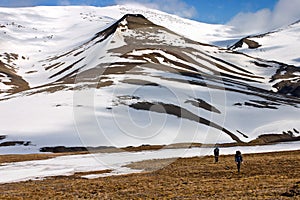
(216, 154)
(239, 160)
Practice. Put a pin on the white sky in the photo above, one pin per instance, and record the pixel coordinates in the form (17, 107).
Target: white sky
(284, 13)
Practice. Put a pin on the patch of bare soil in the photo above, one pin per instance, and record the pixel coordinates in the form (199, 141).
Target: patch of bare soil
(263, 176)
(18, 83)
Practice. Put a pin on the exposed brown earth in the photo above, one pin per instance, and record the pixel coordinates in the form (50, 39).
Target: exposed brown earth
(19, 158)
(18, 83)
(263, 176)
(251, 44)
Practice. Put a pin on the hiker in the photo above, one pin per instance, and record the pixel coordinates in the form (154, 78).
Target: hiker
(216, 153)
(238, 159)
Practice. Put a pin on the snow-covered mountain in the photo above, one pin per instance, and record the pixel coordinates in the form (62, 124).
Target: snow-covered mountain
(281, 45)
(86, 76)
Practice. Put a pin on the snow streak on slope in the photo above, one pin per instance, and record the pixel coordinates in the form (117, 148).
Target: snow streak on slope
(132, 82)
(281, 45)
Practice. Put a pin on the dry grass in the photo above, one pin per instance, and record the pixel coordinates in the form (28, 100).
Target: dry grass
(19, 157)
(263, 176)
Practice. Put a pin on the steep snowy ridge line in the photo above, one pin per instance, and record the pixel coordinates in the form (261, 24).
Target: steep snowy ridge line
(82, 49)
(18, 21)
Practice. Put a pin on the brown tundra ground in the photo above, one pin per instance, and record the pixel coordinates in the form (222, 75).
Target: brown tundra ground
(263, 176)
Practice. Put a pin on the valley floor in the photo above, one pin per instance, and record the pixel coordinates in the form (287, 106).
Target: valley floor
(263, 176)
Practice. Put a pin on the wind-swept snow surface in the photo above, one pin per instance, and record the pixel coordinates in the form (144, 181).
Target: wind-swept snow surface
(112, 80)
(281, 45)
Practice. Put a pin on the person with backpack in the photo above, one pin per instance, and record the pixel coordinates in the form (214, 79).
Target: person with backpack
(239, 160)
(216, 154)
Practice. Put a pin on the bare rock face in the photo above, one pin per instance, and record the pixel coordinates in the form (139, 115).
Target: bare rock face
(14, 143)
(251, 44)
(290, 80)
(289, 88)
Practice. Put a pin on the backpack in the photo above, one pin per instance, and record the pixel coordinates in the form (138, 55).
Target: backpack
(216, 151)
(238, 157)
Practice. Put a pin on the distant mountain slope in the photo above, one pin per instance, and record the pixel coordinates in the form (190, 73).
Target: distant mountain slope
(281, 45)
(28, 34)
(133, 82)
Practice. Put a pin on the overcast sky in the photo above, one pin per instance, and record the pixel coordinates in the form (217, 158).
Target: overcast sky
(255, 15)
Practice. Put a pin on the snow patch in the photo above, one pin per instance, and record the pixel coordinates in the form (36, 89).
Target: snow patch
(68, 165)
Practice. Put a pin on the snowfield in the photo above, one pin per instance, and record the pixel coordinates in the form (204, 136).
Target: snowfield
(280, 45)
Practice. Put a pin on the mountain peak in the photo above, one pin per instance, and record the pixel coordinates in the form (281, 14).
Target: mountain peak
(129, 15)
(130, 21)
